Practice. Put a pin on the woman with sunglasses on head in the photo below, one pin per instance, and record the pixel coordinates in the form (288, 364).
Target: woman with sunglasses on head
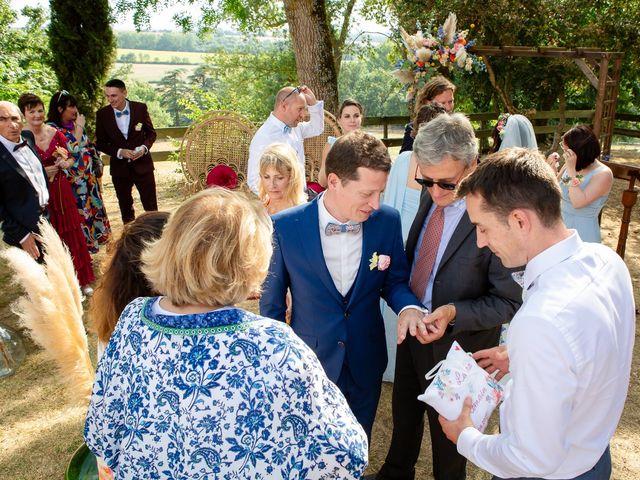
(51, 146)
(350, 116)
(87, 167)
(585, 182)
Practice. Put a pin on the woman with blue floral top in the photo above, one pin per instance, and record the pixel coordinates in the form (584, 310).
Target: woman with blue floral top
(191, 386)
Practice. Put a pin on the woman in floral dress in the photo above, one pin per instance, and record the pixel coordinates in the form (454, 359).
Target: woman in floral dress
(191, 386)
(63, 214)
(63, 114)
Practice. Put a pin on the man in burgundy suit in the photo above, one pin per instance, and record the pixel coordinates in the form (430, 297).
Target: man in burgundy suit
(125, 132)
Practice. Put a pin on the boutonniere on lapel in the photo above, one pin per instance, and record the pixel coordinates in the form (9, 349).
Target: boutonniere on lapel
(381, 262)
(138, 126)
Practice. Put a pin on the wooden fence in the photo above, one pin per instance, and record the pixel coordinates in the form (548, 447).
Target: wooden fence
(392, 127)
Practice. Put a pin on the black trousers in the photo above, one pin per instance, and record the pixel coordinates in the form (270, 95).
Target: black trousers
(146, 186)
(413, 361)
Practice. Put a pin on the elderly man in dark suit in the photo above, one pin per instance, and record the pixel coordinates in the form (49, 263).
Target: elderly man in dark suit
(125, 132)
(467, 290)
(23, 183)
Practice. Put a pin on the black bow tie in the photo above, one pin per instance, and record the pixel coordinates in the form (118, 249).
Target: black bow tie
(20, 145)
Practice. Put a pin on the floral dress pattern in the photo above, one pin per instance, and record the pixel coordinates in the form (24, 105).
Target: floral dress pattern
(63, 213)
(96, 227)
(225, 394)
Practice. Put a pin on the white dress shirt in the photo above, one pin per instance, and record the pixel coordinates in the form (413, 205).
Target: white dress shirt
(570, 347)
(32, 167)
(452, 215)
(273, 131)
(123, 120)
(342, 252)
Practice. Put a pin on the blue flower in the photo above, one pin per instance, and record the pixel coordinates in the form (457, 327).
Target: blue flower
(254, 420)
(209, 423)
(300, 387)
(198, 355)
(135, 402)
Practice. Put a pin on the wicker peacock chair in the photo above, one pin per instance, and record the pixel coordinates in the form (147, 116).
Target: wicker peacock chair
(218, 137)
(313, 146)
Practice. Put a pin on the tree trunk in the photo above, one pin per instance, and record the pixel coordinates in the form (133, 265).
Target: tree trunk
(311, 41)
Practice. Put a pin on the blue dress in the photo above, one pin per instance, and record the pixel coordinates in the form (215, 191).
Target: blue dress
(585, 219)
(406, 201)
(222, 394)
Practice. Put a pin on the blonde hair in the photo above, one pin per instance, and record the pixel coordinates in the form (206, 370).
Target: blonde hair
(215, 250)
(284, 159)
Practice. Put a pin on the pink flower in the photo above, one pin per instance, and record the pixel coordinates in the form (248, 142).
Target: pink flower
(383, 262)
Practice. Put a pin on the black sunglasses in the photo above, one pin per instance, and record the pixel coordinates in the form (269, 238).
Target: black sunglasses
(430, 183)
(295, 90)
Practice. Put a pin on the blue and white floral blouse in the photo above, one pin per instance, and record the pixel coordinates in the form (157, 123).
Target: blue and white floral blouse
(225, 394)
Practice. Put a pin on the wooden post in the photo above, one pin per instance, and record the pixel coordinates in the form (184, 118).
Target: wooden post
(629, 199)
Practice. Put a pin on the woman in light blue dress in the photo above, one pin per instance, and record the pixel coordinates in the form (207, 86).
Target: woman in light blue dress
(585, 182)
(403, 193)
(191, 386)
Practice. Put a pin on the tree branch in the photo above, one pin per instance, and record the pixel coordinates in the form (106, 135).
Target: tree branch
(492, 78)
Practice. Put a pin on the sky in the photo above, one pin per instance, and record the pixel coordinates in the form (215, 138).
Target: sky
(160, 21)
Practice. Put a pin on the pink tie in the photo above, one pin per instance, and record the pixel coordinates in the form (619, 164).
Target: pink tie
(427, 253)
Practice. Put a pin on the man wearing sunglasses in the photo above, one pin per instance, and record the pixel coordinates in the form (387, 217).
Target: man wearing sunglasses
(285, 125)
(467, 290)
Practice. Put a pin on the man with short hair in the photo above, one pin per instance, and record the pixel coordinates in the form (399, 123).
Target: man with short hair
(339, 254)
(570, 345)
(467, 290)
(24, 190)
(285, 125)
(125, 132)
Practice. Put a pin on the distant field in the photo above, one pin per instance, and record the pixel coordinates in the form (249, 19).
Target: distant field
(163, 55)
(150, 72)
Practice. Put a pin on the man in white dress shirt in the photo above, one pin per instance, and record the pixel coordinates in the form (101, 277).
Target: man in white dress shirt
(285, 125)
(569, 346)
(24, 190)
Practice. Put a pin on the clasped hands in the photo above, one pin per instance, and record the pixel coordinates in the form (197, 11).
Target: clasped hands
(427, 327)
(133, 154)
(494, 359)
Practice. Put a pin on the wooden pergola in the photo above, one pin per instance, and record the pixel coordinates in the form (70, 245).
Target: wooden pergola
(601, 68)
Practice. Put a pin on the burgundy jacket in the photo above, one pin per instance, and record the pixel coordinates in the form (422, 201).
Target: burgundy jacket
(109, 139)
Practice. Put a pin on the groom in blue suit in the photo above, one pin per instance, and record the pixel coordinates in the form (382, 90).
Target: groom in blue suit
(339, 254)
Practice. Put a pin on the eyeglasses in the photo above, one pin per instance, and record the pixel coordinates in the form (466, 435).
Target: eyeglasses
(295, 90)
(427, 182)
(62, 92)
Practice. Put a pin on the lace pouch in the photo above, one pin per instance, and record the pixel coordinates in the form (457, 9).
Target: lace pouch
(457, 377)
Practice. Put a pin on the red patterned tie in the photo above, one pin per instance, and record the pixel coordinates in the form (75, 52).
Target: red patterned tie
(427, 253)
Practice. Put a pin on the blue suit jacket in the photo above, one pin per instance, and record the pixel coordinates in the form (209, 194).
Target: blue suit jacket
(337, 329)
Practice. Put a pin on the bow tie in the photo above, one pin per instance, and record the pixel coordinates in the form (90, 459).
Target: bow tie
(20, 145)
(286, 129)
(124, 112)
(336, 228)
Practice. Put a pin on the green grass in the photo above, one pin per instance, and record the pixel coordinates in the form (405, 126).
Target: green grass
(153, 72)
(163, 55)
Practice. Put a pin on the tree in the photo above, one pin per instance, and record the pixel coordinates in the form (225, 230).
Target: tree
(318, 30)
(173, 90)
(539, 83)
(24, 55)
(83, 47)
